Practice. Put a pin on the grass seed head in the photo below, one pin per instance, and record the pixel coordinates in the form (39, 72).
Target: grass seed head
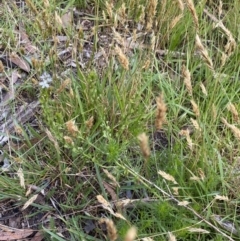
(68, 140)
(160, 112)
(72, 128)
(171, 237)
(89, 122)
(111, 228)
(233, 128)
(122, 58)
(203, 88)
(203, 52)
(175, 21)
(187, 79)
(180, 5)
(195, 108)
(193, 11)
(231, 107)
(131, 234)
(109, 8)
(195, 124)
(151, 12)
(143, 138)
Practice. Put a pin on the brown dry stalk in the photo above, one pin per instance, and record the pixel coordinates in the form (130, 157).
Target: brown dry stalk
(111, 228)
(143, 138)
(203, 52)
(187, 79)
(195, 108)
(233, 128)
(122, 58)
(160, 112)
(193, 11)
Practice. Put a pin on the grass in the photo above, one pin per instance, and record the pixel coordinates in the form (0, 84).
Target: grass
(86, 143)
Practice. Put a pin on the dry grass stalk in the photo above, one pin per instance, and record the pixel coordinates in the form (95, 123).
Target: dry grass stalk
(122, 58)
(111, 228)
(143, 138)
(203, 52)
(193, 11)
(171, 237)
(167, 176)
(214, 112)
(160, 112)
(231, 107)
(195, 108)
(203, 88)
(233, 128)
(72, 128)
(89, 122)
(131, 234)
(151, 12)
(187, 79)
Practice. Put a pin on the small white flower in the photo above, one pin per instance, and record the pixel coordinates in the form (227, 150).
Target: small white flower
(46, 77)
(44, 84)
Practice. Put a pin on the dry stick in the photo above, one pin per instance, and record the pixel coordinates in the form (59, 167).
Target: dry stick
(142, 179)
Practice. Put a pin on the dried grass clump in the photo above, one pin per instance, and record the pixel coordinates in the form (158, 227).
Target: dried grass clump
(160, 112)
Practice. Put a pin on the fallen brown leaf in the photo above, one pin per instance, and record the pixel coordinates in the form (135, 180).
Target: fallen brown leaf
(14, 234)
(20, 62)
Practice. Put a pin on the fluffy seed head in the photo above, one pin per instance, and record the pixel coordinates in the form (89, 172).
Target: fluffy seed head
(72, 128)
(195, 108)
(231, 107)
(187, 79)
(143, 138)
(131, 234)
(233, 128)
